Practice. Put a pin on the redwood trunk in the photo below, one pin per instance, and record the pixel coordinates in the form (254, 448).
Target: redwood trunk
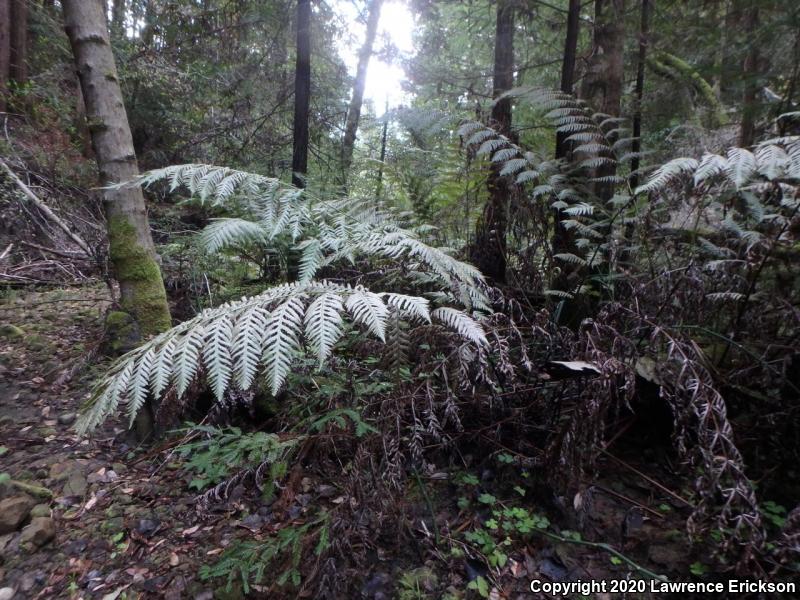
(568, 64)
(602, 85)
(18, 71)
(354, 111)
(488, 252)
(563, 239)
(5, 51)
(302, 94)
(747, 132)
(636, 146)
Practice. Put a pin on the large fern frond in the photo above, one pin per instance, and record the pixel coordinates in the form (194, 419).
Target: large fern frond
(234, 343)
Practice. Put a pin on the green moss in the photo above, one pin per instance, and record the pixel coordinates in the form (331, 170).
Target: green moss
(11, 332)
(136, 269)
(669, 65)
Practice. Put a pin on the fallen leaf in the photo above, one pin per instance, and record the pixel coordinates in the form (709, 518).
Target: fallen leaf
(190, 531)
(174, 560)
(115, 594)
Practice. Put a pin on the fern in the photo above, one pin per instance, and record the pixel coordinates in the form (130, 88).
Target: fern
(324, 231)
(233, 343)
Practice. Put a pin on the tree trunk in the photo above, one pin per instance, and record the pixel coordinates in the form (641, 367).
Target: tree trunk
(568, 64)
(747, 132)
(641, 60)
(18, 71)
(118, 18)
(488, 251)
(131, 251)
(5, 51)
(563, 239)
(602, 85)
(379, 186)
(354, 110)
(302, 94)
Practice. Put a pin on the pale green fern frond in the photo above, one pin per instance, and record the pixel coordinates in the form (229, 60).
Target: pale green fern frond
(235, 343)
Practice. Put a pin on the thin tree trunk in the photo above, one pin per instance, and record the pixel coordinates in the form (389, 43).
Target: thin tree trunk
(563, 239)
(5, 51)
(568, 64)
(747, 131)
(149, 24)
(18, 68)
(118, 19)
(302, 94)
(131, 251)
(354, 110)
(636, 145)
(488, 251)
(379, 186)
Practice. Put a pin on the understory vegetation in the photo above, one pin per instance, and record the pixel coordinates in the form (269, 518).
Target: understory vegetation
(339, 368)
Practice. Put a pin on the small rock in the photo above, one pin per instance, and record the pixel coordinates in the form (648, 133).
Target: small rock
(40, 510)
(76, 547)
(120, 468)
(6, 593)
(14, 511)
(147, 527)
(40, 531)
(76, 485)
(252, 522)
(326, 491)
(668, 556)
(62, 470)
(67, 418)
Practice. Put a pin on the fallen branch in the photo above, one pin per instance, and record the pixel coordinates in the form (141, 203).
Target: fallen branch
(46, 210)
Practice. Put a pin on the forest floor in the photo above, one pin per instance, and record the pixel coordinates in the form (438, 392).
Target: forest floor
(99, 518)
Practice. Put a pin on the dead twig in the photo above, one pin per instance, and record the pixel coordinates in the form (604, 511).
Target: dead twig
(46, 210)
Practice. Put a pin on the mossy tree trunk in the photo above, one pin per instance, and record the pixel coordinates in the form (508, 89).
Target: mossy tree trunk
(132, 252)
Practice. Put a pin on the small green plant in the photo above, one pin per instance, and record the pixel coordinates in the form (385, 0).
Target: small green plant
(775, 513)
(224, 451)
(697, 569)
(416, 584)
(480, 585)
(248, 561)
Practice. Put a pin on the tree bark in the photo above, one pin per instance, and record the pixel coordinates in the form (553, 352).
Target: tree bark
(131, 248)
(563, 239)
(641, 60)
(747, 131)
(602, 85)
(302, 94)
(118, 18)
(379, 186)
(354, 110)
(488, 251)
(568, 63)
(18, 68)
(5, 51)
